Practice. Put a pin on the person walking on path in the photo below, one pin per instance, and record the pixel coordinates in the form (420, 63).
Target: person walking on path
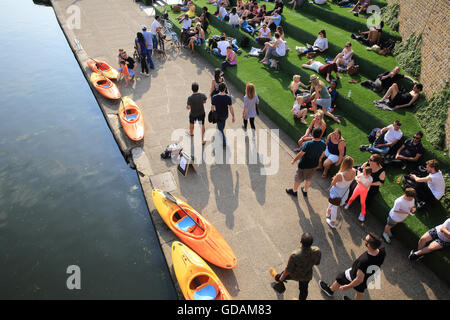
(363, 268)
(300, 265)
(195, 103)
(339, 191)
(221, 103)
(403, 207)
(251, 101)
(309, 156)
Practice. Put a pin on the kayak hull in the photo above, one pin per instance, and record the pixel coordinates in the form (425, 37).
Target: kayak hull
(208, 243)
(196, 279)
(105, 86)
(131, 119)
(103, 68)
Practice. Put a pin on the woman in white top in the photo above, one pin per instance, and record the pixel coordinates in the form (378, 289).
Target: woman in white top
(320, 45)
(277, 49)
(340, 189)
(234, 18)
(264, 35)
(343, 58)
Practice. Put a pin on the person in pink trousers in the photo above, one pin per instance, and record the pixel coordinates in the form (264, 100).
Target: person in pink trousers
(364, 180)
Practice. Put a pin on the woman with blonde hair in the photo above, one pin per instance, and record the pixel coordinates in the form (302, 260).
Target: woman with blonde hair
(339, 191)
(322, 98)
(317, 122)
(295, 84)
(251, 101)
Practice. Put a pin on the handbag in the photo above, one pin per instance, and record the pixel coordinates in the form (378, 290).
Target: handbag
(354, 69)
(335, 201)
(212, 116)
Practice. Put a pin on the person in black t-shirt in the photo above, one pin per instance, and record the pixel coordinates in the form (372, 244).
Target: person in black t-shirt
(309, 156)
(221, 103)
(385, 80)
(131, 64)
(410, 152)
(195, 103)
(363, 269)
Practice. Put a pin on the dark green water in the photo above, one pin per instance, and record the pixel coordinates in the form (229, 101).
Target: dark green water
(67, 196)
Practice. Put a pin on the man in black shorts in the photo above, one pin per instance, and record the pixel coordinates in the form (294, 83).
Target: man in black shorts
(195, 103)
(362, 270)
(309, 156)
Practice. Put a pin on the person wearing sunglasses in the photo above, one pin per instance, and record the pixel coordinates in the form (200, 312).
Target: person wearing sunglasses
(363, 269)
(384, 139)
(409, 153)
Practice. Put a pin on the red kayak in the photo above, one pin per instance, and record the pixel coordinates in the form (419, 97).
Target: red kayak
(131, 118)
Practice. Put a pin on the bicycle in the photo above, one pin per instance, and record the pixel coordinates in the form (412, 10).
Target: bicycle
(168, 33)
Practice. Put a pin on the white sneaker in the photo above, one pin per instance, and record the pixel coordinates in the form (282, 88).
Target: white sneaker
(346, 206)
(329, 223)
(361, 217)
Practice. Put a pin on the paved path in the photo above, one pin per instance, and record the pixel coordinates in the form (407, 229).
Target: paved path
(260, 222)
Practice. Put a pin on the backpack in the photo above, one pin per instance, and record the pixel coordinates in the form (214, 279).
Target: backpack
(245, 42)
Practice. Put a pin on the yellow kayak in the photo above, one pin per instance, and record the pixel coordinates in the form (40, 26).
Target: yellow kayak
(101, 67)
(196, 279)
(195, 231)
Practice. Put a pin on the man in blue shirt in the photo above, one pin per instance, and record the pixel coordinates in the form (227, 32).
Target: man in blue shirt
(273, 21)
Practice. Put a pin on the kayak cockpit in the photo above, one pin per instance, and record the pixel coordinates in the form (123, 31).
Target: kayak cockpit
(203, 288)
(186, 224)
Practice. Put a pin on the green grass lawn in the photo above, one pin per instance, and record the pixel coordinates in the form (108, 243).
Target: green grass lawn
(358, 114)
(342, 18)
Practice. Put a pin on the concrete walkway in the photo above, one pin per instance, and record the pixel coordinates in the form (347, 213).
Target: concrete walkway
(252, 211)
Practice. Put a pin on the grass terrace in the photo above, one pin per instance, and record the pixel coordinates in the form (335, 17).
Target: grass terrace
(357, 112)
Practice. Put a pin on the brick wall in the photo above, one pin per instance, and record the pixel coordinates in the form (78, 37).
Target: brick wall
(429, 17)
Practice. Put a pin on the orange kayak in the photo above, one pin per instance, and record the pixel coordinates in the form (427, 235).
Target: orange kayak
(131, 118)
(101, 67)
(208, 243)
(105, 86)
(196, 279)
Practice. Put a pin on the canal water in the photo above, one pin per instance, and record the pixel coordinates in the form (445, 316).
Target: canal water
(67, 197)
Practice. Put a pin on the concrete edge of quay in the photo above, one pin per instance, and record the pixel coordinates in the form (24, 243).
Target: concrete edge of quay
(132, 151)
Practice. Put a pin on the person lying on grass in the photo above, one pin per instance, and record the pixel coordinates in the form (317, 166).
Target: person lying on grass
(276, 49)
(385, 80)
(295, 86)
(323, 69)
(297, 110)
(398, 100)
